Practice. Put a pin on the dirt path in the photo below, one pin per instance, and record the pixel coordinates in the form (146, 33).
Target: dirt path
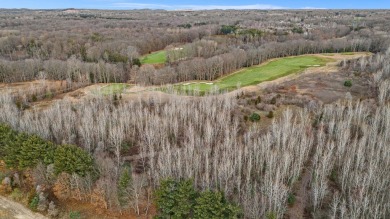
(13, 210)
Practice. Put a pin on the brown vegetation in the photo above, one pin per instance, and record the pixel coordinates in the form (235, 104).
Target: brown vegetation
(322, 152)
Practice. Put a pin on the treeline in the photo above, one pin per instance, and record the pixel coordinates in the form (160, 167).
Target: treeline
(92, 43)
(201, 60)
(72, 70)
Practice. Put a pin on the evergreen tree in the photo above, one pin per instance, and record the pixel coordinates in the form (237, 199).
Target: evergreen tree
(175, 199)
(124, 183)
(34, 150)
(213, 205)
(72, 159)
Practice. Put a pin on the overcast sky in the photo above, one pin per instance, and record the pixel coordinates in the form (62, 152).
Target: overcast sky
(198, 4)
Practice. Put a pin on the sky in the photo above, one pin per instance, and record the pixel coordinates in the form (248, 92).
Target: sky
(196, 4)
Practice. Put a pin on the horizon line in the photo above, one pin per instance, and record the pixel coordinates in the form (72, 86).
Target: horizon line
(194, 9)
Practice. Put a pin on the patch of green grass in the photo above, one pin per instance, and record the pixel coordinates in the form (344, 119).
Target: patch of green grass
(257, 74)
(155, 58)
(112, 89)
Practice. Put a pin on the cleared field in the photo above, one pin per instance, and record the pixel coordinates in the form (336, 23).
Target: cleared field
(112, 89)
(155, 58)
(257, 74)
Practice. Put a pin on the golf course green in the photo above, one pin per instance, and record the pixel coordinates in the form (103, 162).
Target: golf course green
(159, 57)
(256, 74)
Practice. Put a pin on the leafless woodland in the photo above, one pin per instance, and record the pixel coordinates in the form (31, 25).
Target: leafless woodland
(202, 139)
(339, 152)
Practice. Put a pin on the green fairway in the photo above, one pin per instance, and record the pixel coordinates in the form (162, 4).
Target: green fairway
(257, 74)
(112, 89)
(154, 58)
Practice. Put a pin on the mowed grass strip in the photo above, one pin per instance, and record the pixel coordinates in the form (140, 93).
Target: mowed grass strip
(257, 74)
(155, 58)
(111, 89)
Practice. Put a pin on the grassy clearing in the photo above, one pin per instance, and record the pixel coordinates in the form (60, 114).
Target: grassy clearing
(112, 89)
(257, 74)
(155, 58)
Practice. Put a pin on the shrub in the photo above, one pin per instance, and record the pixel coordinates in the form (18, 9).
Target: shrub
(273, 100)
(16, 195)
(333, 175)
(228, 29)
(297, 30)
(115, 97)
(291, 199)
(137, 62)
(34, 203)
(348, 83)
(19, 104)
(74, 215)
(270, 114)
(254, 117)
(123, 185)
(49, 95)
(257, 100)
(271, 215)
(34, 98)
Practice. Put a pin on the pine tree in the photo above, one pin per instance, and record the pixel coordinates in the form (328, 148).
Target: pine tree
(175, 199)
(213, 205)
(124, 183)
(72, 159)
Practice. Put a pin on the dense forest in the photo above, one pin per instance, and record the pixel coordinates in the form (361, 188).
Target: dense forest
(265, 154)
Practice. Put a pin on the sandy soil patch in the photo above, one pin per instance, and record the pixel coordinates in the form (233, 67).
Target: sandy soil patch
(13, 210)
